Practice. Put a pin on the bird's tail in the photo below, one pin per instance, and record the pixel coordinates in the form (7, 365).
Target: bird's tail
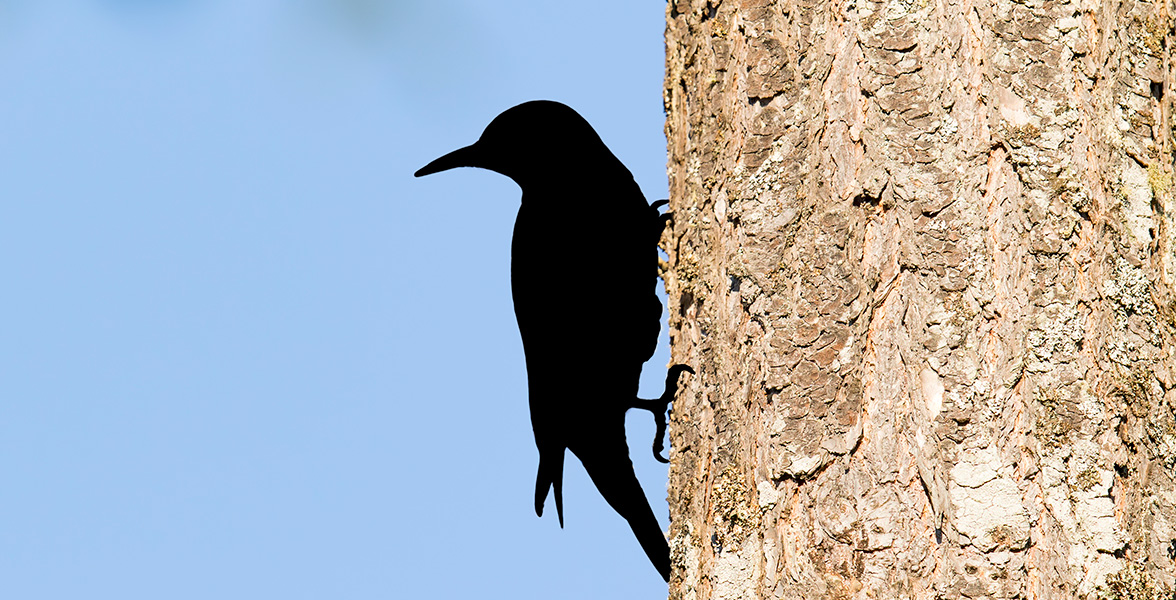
(550, 475)
(612, 472)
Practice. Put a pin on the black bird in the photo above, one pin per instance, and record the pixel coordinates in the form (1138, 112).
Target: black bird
(583, 275)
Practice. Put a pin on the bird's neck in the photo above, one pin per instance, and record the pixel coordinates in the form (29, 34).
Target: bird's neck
(596, 182)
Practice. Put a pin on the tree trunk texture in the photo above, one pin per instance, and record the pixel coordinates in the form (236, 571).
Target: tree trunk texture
(922, 261)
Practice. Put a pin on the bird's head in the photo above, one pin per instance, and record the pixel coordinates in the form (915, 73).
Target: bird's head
(532, 143)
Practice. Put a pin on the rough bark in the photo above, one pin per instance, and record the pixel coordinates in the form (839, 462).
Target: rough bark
(922, 262)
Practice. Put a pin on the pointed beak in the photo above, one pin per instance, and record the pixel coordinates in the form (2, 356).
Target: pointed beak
(462, 157)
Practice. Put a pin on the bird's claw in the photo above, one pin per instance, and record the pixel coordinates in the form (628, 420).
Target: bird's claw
(663, 220)
(661, 407)
(659, 417)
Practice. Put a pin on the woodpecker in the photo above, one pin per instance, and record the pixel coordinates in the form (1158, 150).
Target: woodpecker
(583, 280)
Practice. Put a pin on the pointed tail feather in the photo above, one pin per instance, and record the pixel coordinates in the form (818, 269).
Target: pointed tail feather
(649, 535)
(558, 485)
(612, 473)
(550, 475)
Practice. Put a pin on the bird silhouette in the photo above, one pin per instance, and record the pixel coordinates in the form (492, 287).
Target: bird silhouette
(583, 279)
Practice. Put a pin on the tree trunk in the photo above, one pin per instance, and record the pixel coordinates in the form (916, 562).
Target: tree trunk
(922, 261)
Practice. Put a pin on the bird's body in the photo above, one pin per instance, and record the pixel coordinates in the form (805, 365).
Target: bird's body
(583, 280)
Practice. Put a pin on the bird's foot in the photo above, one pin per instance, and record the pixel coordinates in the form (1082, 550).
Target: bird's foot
(660, 407)
(663, 219)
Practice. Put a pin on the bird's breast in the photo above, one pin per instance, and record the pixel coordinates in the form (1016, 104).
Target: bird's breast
(584, 295)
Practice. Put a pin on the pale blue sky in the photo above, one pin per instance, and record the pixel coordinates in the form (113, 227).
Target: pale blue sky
(244, 353)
